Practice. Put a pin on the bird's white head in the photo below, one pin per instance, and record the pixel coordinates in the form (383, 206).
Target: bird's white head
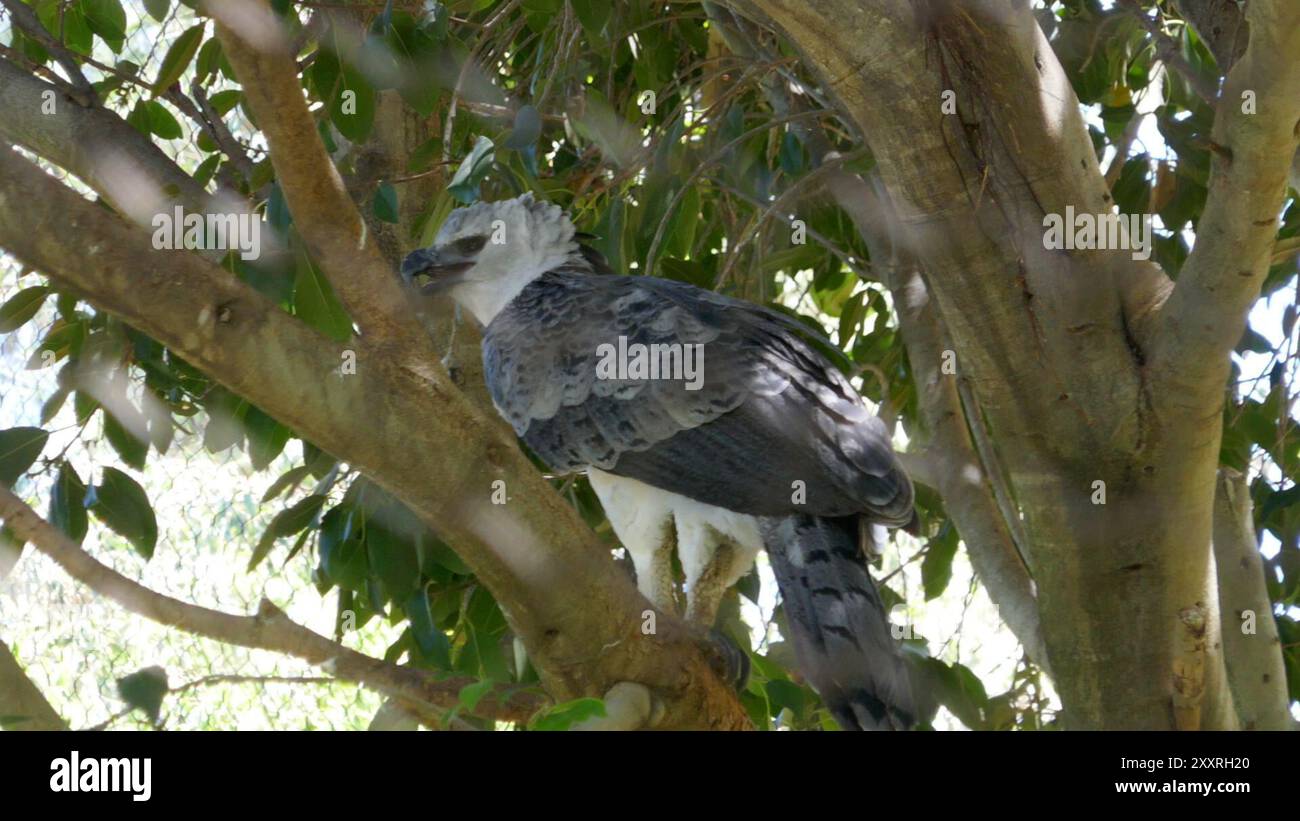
(486, 253)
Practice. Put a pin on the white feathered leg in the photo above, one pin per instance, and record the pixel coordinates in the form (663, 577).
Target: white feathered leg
(716, 548)
(642, 518)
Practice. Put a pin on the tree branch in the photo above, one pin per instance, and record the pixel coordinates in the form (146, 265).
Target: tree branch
(85, 141)
(972, 185)
(22, 705)
(978, 138)
(24, 19)
(1221, 25)
(964, 484)
(220, 133)
(1205, 315)
(270, 629)
(323, 212)
(967, 482)
(398, 426)
(1256, 673)
(119, 163)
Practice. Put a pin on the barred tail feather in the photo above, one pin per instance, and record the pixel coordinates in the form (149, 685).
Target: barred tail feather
(841, 633)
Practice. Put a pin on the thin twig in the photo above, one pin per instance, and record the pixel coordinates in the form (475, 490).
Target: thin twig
(1170, 53)
(717, 157)
(220, 134)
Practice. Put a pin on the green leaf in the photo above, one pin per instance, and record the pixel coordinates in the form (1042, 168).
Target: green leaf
(225, 422)
(685, 270)
(139, 117)
(266, 437)
(19, 449)
(21, 307)
(393, 560)
(432, 642)
(158, 9)
(290, 477)
(1252, 340)
(527, 129)
(385, 203)
(67, 503)
(132, 449)
(207, 170)
(64, 338)
(464, 185)
(223, 101)
(958, 689)
(161, 121)
(286, 523)
(852, 312)
(1278, 501)
(681, 230)
(179, 57)
(209, 60)
(322, 75)
(53, 405)
(11, 550)
(315, 303)
(342, 555)
(277, 208)
(438, 554)
(593, 14)
(161, 429)
(120, 503)
(106, 18)
(318, 462)
(791, 154)
(485, 626)
(30, 49)
(1132, 191)
(782, 694)
(472, 694)
(353, 108)
(936, 568)
(145, 691)
(84, 405)
(566, 715)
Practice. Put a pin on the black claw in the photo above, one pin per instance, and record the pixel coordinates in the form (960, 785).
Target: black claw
(730, 661)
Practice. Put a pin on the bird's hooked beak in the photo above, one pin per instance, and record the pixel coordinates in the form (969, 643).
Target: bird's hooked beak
(432, 270)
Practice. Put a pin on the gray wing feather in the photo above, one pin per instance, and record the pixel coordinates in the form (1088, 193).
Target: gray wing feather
(770, 410)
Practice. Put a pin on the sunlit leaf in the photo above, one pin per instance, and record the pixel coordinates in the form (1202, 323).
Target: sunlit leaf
(120, 503)
(286, 523)
(314, 301)
(67, 503)
(21, 307)
(19, 449)
(178, 58)
(464, 184)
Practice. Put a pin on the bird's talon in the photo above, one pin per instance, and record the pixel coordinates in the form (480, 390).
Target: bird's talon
(729, 660)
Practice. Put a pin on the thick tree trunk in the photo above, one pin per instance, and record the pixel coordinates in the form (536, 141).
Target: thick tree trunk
(22, 705)
(1090, 377)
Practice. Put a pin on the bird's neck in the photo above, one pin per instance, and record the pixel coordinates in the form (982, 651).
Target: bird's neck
(486, 298)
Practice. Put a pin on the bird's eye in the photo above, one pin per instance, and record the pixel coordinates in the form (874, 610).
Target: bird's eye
(470, 245)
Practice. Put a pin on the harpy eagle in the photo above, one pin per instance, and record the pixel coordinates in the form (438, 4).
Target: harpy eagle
(768, 447)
